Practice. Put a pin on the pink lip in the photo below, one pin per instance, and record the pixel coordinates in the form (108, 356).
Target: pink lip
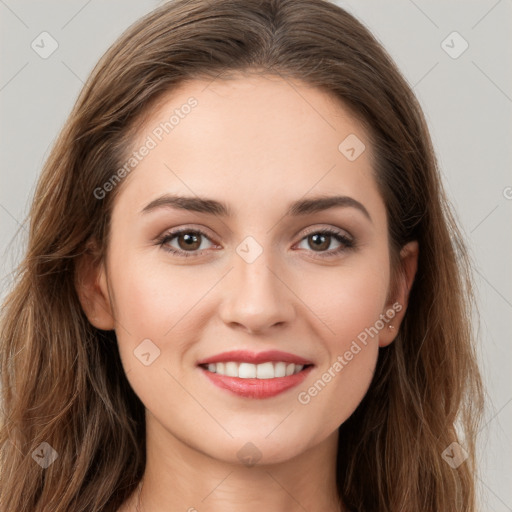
(257, 388)
(244, 356)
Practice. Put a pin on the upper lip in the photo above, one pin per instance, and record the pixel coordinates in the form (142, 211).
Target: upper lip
(244, 356)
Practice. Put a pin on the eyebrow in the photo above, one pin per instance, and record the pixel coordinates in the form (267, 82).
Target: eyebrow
(213, 207)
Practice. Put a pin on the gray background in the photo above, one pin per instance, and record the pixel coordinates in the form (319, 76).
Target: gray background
(467, 102)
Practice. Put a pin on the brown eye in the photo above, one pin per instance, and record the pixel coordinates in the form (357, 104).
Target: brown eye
(188, 242)
(320, 241)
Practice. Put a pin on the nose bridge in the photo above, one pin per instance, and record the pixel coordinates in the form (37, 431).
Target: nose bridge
(255, 295)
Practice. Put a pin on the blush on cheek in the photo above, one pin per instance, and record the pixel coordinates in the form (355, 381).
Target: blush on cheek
(149, 307)
(354, 315)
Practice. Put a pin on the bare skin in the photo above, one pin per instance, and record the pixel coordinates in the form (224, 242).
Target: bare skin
(257, 144)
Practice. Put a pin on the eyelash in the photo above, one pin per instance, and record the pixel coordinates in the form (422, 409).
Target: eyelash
(346, 242)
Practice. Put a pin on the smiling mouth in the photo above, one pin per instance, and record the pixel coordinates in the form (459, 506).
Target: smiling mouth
(268, 370)
(255, 381)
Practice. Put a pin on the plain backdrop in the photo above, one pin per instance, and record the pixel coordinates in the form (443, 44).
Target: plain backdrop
(466, 96)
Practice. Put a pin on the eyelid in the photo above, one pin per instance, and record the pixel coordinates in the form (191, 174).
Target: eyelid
(327, 227)
(186, 228)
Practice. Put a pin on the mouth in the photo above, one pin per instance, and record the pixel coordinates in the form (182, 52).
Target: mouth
(262, 371)
(249, 380)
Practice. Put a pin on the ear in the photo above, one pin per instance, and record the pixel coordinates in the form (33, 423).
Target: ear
(92, 288)
(397, 303)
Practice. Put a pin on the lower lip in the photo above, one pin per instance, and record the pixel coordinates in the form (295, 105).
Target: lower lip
(257, 388)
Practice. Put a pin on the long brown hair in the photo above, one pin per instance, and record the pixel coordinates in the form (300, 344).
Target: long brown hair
(62, 379)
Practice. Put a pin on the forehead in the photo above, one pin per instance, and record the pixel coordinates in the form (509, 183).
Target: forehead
(250, 137)
(257, 107)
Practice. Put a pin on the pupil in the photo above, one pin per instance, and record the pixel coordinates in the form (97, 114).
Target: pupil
(190, 239)
(318, 238)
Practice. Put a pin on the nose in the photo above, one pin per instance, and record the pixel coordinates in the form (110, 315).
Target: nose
(256, 295)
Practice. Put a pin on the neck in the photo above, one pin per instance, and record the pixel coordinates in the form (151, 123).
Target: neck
(177, 477)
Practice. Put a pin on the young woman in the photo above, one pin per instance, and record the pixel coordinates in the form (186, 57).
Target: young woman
(244, 288)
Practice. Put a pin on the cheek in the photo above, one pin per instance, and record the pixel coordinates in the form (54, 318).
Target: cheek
(167, 304)
(151, 296)
(156, 325)
(348, 299)
(350, 304)
(151, 302)
(144, 302)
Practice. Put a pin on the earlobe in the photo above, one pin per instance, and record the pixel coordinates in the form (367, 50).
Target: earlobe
(92, 290)
(408, 267)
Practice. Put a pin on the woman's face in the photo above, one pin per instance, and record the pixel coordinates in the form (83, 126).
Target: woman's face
(252, 271)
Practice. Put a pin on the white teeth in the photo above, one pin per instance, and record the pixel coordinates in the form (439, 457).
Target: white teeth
(280, 369)
(246, 371)
(231, 369)
(267, 370)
